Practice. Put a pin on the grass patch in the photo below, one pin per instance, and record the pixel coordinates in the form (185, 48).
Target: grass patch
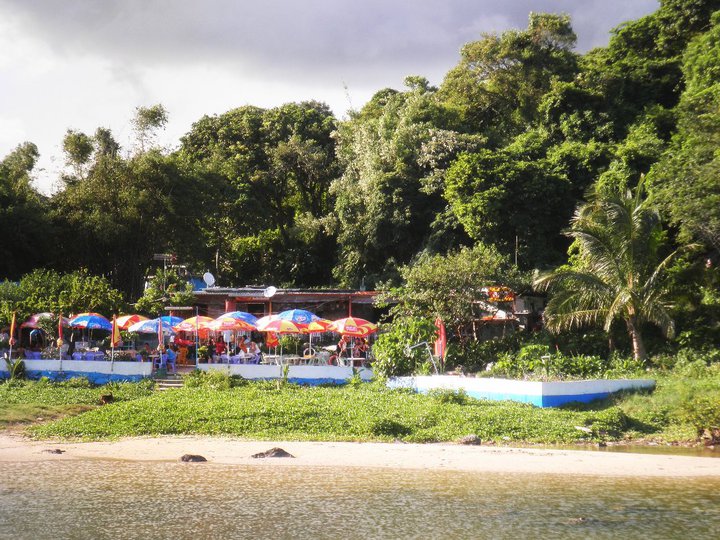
(677, 411)
(24, 401)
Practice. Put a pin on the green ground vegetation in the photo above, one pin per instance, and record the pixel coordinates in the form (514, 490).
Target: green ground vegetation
(23, 402)
(682, 409)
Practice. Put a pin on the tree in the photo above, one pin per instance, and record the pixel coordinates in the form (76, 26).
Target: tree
(26, 240)
(618, 273)
(685, 180)
(166, 288)
(449, 286)
(500, 80)
(512, 195)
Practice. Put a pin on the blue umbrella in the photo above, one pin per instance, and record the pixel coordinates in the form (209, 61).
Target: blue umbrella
(241, 316)
(171, 320)
(151, 327)
(91, 321)
(298, 316)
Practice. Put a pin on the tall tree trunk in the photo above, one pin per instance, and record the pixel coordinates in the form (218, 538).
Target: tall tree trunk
(637, 340)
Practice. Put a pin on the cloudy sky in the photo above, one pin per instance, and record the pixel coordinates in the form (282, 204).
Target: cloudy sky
(81, 64)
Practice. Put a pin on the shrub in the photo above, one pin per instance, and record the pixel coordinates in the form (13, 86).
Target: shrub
(392, 356)
(214, 380)
(389, 427)
(703, 413)
(444, 396)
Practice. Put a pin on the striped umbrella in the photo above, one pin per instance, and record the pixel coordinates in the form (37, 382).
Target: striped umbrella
(150, 326)
(126, 321)
(280, 326)
(225, 324)
(241, 315)
(91, 321)
(193, 324)
(353, 326)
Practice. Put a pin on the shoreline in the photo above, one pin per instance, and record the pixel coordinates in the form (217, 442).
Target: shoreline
(433, 456)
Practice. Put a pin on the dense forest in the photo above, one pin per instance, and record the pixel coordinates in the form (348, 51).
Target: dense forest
(495, 161)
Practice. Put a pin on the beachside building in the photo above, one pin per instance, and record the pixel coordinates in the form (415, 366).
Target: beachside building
(326, 303)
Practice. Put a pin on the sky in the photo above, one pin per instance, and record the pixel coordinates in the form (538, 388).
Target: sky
(84, 64)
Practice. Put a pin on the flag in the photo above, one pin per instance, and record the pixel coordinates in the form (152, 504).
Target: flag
(271, 340)
(60, 331)
(441, 341)
(115, 339)
(161, 338)
(12, 330)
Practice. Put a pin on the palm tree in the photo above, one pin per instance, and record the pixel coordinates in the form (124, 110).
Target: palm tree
(618, 273)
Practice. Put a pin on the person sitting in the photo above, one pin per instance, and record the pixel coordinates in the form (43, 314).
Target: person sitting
(242, 345)
(254, 351)
(361, 348)
(220, 347)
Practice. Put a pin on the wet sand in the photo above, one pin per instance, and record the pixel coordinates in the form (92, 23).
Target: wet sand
(455, 457)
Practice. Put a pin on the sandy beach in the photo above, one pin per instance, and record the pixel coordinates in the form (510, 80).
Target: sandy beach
(16, 448)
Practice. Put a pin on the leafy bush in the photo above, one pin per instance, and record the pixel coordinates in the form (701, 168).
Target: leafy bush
(474, 355)
(612, 421)
(392, 357)
(388, 427)
(458, 397)
(16, 368)
(215, 380)
(703, 413)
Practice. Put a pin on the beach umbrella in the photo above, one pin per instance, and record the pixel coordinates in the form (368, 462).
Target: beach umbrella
(229, 324)
(91, 321)
(241, 315)
(171, 319)
(262, 321)
(126, 321)
(150, 326)
(298, 316)
(34, 320)
(317, 327)
(194, 324)
(280, 326)
(353, 326)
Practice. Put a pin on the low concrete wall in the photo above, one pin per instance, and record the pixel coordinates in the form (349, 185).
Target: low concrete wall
(98, 372)
(306, 375)
(253, 372)
(542, 394)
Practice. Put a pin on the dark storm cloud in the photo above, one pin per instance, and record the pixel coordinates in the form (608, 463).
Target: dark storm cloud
(305, 39)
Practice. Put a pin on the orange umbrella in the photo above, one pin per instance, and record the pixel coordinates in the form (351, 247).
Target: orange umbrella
(353, 326)
(194, 324)
(280, 326)
(223, 324)
(317, 327)
(126, 321)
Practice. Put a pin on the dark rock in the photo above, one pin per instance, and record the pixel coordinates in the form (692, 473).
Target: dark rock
(54, 451)
(192, 458)
(273, 452)
(602, 444)
(106, 398)
(470, 439)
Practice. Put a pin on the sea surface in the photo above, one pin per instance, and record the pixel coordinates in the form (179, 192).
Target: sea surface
(100, 499)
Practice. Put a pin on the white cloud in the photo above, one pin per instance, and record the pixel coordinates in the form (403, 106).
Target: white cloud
(82, 64)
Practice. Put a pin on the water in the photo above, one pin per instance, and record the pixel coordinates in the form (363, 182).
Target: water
(117, 499)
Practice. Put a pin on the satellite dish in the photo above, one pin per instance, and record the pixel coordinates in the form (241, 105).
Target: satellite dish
(209, 279)
(269, 292)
